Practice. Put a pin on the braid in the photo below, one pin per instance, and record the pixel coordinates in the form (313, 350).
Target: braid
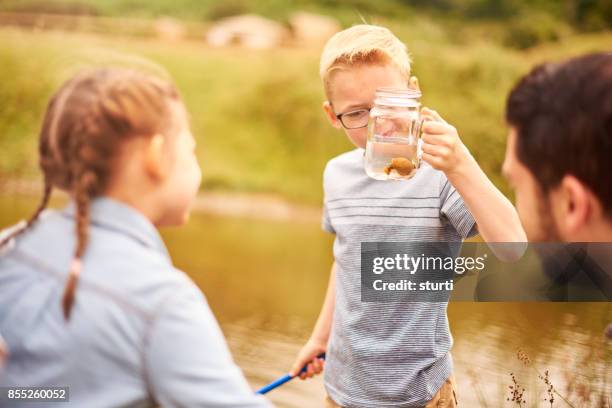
(84, 163)
(84, 125)
(84, 189)
(3, 352)
(34, 217)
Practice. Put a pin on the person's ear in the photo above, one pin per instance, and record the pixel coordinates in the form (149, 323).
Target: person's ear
(331, 115)
(155, 160)
(413, 83)
(575, 206)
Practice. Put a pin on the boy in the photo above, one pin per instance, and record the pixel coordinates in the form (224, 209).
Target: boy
(391, 354)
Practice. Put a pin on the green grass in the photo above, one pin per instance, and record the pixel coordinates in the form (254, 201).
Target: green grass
(257, 114)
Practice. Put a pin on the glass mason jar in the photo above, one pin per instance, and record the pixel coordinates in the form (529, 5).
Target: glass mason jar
(393, 148)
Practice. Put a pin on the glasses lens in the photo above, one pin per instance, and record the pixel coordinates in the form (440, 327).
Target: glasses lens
(355, 119)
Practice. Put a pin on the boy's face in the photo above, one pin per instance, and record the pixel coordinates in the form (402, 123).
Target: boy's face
(353, 88)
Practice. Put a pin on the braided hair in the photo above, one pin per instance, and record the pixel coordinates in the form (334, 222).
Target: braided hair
(85, 122)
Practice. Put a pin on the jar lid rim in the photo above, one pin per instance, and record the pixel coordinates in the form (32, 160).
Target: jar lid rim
(399, 92)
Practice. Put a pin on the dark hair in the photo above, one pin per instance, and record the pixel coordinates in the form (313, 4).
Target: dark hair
(85, 123)
(562, 113)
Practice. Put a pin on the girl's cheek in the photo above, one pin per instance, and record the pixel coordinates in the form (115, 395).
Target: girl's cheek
(192, 174)
(198, 173)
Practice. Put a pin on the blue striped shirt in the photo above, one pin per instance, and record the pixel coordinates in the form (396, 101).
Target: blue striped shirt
(387, 354)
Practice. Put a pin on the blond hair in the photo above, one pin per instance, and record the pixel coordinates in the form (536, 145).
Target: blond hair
(363, 44)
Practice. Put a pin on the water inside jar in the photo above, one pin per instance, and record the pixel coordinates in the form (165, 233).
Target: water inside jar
(391, 157)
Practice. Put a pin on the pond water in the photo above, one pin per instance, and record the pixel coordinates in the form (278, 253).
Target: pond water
(265, 281)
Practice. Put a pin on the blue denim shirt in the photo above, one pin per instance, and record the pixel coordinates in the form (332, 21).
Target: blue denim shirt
(140, 333)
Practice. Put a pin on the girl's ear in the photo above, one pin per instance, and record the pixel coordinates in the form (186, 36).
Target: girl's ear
(331, 115)
(155, 159)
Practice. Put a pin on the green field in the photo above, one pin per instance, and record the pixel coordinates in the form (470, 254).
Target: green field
(257, 114)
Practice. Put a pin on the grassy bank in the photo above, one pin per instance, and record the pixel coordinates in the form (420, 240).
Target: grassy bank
(256, 114)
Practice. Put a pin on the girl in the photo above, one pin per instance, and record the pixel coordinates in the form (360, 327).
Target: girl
(89, 298)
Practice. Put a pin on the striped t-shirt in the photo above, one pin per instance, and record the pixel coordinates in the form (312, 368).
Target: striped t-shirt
(387, 354)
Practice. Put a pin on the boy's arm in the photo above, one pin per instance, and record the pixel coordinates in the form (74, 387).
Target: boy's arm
(495, 216)
(317, 343)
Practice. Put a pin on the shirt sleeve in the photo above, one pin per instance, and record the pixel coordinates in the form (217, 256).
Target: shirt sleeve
(188, 362)
(326, 222)
(453, 208)
(325, 219)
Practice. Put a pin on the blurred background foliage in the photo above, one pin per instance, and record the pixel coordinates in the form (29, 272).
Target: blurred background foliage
(528, 21)
(257, 113)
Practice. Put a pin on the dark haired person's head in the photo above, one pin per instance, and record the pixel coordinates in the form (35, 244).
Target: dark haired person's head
(559, 152)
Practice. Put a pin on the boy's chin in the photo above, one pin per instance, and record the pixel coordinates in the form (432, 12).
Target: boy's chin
(357, 141)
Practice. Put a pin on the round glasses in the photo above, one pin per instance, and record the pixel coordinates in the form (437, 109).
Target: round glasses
(355, 119)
